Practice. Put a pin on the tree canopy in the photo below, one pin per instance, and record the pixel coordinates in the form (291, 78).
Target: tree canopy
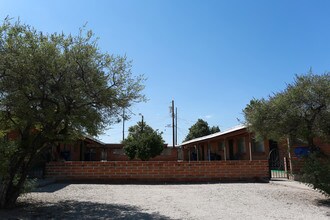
(143, 142)
(200, 129)
(301, 111)
(55, 87)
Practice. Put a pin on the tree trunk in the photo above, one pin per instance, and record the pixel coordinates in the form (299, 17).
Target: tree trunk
(3, 192)
(310, 138)
(311, 142)
(9, 195)
(13, 183)
(9, 191)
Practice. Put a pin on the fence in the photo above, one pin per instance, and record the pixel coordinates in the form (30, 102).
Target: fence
(159, 171)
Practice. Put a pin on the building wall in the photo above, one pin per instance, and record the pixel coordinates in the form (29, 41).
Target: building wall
(110, 152)
(216, 149)
(296, 162)
(77, 151)
(168, 154)
(73, 149)
(160, 171)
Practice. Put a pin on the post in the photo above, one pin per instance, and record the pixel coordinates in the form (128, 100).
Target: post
(250, 147)
(142, 123)
(286, 168)
(173, 130)
(224, 150)
(209, 150)
(123, 123)
(197, 153)
(189, 153)
(176, 126)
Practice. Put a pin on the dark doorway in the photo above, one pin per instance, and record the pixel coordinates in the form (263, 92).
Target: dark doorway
(272, 145)
(231, 149)
(277, 166)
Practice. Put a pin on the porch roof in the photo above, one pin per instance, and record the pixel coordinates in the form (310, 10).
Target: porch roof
(94, 139)
(218, 134)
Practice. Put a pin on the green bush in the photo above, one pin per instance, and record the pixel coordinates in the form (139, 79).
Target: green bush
(143, 142)
(316, 172)
(144, 146)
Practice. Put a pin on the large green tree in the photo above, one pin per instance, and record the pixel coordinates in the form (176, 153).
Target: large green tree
(54, 87)
(143, 142)
(200, 129)
(301, 111)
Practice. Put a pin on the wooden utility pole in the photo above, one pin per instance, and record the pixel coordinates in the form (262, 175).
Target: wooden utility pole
(176, 126)
(142, 124)
(123, 123)
(173, 129)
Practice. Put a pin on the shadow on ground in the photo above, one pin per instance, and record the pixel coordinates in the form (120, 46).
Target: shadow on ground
(50, 188)
(70, 209)
(323, 202)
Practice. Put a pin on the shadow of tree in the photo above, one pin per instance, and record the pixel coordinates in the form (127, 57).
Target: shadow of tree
(50, 188)
(71, 209)
(323, 202)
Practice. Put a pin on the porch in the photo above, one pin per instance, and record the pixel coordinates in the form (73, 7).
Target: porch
(234, 144)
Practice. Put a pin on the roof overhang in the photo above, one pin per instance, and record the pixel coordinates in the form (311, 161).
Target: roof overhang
(215, 135)
(94, 139)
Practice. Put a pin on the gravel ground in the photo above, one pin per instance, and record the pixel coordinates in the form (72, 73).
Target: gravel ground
(276, 200)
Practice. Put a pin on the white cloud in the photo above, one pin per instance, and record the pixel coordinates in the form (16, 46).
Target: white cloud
(208, 116)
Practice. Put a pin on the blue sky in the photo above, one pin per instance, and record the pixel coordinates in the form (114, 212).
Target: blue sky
(211, 57)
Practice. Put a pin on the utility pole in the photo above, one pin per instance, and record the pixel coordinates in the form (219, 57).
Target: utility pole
(176, 126)
(173, 123)
(141, 123)
(123, 123)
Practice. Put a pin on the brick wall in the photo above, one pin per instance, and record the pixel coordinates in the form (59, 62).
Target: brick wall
(158, 171)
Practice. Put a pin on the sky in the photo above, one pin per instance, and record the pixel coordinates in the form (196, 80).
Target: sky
(210, 57)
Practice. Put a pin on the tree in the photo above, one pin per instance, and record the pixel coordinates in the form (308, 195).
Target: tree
(200, 129)
(143, 142)
(55, 87)
(214, 129)
(301, 111)
(315, 172)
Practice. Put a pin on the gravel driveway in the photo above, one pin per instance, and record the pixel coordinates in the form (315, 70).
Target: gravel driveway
(276, 200)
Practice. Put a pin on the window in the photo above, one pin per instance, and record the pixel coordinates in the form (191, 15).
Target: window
(258, 146)
(241, 145)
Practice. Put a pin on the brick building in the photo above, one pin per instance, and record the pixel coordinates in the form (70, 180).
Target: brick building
(91, 149)
(239, 144)
(233, 144)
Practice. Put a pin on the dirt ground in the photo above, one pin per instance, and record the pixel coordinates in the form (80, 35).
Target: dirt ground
(275, 200)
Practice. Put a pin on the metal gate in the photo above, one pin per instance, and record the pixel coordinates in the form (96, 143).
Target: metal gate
(277, 167)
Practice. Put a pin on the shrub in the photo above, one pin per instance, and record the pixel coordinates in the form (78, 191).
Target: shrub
(315, 172)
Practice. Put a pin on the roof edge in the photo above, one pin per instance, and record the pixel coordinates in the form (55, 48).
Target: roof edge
(217, 134)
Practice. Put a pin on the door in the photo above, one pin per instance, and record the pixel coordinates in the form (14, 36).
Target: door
(277, 165)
